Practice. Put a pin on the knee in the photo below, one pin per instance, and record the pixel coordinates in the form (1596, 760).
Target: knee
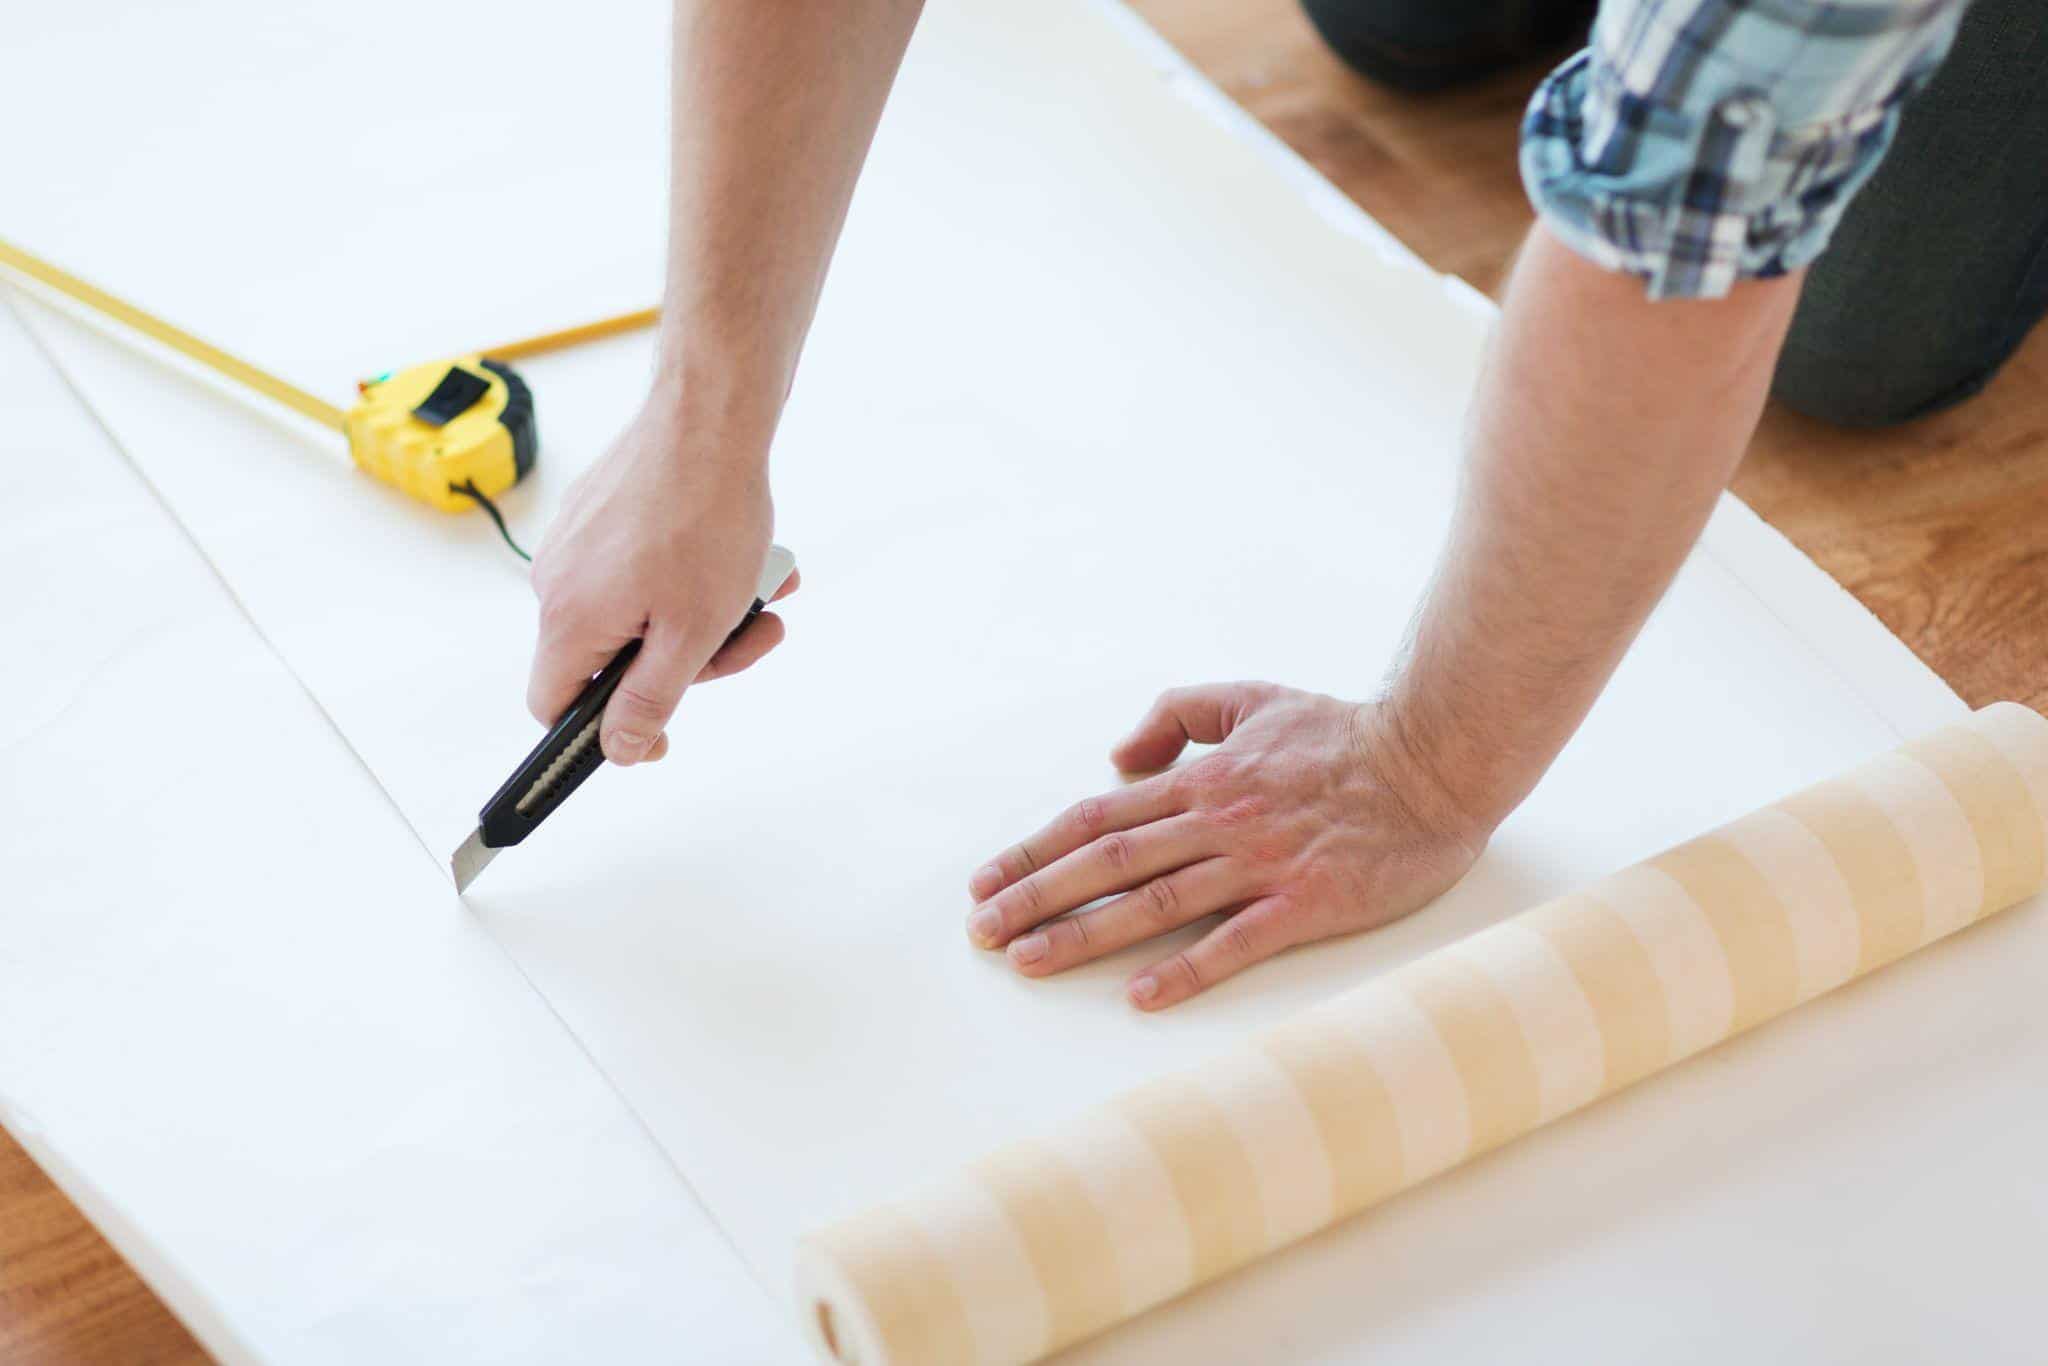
(1430, 44)
(1846, 367)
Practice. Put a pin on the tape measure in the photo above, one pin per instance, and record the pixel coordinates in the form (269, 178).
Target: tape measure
(449, 433)
(445, 432)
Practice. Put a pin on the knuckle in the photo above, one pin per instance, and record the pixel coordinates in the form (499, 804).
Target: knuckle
(1077, 931)
(1207, 775)
(1240, 811)
(1162, 901)
(1029, 897)
(639, 704)
(1183, 967)
(1022, 861)
(1277, 852)
(1114, 850)
(558, 611)
(1237, 941)
(1086, 815)
(1293, 923)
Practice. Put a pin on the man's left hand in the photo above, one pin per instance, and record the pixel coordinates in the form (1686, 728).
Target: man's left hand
(1311, 818)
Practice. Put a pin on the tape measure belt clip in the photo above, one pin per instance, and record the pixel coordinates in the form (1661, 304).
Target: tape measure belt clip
(455, 395)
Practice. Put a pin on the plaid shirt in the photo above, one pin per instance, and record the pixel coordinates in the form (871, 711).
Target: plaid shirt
(1698, 142)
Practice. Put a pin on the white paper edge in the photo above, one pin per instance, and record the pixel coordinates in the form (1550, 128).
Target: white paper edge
(1331, 204)
(1830, 621)
(195, 1310)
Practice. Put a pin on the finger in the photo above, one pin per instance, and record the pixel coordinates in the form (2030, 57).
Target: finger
(1250, 936)
(658, 750)
(789, 585)
(1077, 825)
(746, 649)
(1117, 862)
(1204, 715)
(563, 661)
(1165, 903)
(648, 693)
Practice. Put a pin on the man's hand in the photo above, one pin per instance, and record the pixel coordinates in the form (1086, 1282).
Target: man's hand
(1604, 427)
(773, 108)
(663, 542)
(1312, 818)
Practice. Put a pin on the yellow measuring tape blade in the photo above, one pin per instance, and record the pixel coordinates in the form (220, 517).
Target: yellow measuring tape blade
(184, 343)
(574, 336)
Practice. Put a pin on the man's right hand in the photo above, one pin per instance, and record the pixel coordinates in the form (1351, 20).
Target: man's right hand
(661, 541)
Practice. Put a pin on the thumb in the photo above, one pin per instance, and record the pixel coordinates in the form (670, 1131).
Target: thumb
(1204, 716)
(648, 693)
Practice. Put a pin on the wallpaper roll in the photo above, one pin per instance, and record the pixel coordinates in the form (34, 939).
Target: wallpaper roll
(1053, 1239)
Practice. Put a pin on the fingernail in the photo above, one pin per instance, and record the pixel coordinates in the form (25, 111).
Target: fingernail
(1029, 949)
(627, 745)
(985, 883)
(1145, 988)
(983, 925)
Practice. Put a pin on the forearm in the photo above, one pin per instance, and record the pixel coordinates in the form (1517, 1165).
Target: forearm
(1604, 427)
(660, 541)
(774, 105)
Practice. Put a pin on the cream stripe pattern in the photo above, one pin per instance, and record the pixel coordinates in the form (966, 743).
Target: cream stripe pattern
(1051, 1240)
(1321, 1054)
(1826, 934)
(1154, 1252)
(1551, 1011)
(1419, 1075)
(1938, 838)
(1679, 940)
(984, 1259)
(1271, 1122)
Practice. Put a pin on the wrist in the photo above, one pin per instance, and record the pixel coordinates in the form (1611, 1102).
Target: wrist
(1452, 780)
(715, 412)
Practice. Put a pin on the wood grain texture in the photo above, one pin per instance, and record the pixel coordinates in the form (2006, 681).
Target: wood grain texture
(65, 1296)
(1940, 527)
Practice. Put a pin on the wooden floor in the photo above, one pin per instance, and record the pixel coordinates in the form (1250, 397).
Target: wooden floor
(1940, 528)
(65, 1296)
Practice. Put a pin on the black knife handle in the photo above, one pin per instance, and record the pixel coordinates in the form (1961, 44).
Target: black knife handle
(565, 756)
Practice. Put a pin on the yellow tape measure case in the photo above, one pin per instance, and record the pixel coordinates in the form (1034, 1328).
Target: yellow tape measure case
(434, 429)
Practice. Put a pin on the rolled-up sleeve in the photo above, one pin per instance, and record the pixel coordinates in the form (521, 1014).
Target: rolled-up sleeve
(1695, 143)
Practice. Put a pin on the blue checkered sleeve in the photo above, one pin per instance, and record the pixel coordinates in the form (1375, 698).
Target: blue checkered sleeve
(1695, 143)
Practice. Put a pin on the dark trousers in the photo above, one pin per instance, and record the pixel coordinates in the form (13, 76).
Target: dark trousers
(1940, 266)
